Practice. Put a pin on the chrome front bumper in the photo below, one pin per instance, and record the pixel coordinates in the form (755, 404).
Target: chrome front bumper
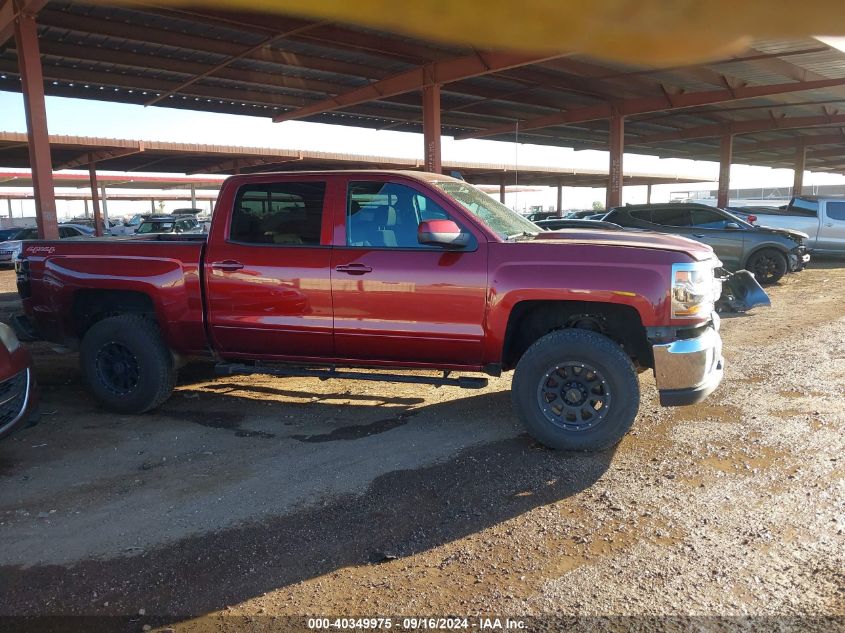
(689, 370)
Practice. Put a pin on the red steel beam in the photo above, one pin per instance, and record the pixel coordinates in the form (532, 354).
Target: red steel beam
(725, 151)
(663, 103)
(826, 153)
(265, 43)
(617, 149)
(235, 165)
(441, 72)
(431, 128)
(10, 10)
(800, 165)
(741, 127)
(32, 85)
(788, 143)
(95, 199)
(89, 158)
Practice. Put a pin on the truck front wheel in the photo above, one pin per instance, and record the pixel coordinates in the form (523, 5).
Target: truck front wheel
(576, 390)
(126, 363)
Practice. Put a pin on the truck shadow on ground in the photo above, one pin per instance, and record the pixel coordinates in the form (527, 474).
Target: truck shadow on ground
(399, 514)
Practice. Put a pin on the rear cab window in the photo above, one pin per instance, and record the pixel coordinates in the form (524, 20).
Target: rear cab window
(278, 213)
(803, 206)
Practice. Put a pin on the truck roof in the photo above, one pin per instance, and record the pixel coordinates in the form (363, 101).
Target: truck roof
(424, 176)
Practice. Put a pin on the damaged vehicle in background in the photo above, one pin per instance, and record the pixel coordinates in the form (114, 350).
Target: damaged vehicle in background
(767, 252)
(821, 218)
(18, 400)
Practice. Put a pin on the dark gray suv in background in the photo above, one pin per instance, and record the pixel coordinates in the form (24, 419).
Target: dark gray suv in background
(768, 253)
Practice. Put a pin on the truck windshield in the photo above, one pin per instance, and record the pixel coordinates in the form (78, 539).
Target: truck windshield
(503, 221)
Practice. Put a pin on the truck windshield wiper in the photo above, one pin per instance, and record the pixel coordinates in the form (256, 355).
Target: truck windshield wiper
(514, 237)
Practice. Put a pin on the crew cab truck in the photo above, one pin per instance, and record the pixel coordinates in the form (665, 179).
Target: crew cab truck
(309, 273)
(822, 218)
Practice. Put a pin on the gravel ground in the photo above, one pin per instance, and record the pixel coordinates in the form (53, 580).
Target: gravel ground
(244, 500)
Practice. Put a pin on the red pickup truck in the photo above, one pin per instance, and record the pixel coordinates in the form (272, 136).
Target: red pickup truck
(307, 273)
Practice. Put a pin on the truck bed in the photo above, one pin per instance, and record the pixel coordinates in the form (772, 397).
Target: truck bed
(71, 278)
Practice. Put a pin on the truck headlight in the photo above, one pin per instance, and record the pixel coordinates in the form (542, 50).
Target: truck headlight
(695, 289)
(9, 338)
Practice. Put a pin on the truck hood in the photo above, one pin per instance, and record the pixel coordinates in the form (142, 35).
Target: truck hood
(633, 238)
(798, 236)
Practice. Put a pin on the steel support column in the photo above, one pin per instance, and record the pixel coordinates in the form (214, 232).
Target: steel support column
(800, 166)
(193, 196)
(725, 154)
(9, 203)
(648, 194)
(95, 200)
(105, 203)
(431, 127)
(502, 190)
(559, 207)
(617, 149)
(152, 206)
(32, 86)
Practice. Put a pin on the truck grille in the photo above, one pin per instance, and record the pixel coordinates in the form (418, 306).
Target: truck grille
(13, 397)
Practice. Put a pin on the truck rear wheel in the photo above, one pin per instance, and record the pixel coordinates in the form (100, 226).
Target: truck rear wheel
(126, 363)
(576, 390)
(768, 265)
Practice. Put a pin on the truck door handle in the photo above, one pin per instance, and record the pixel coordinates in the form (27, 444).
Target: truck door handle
(829, 224)
(227, 266)
(353, 269)
(698, 234)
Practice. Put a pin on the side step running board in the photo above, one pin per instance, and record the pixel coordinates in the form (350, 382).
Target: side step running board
(465, 382)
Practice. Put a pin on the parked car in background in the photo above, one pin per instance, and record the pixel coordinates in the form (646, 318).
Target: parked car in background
(10, 249)
(541, 215)
(821, 218)
(557, 224)
(583, 213)
(389, 270)
(9, 234)
(129, 224)
(108, 224)
(168, 224)
(18, 399)
(768, 253)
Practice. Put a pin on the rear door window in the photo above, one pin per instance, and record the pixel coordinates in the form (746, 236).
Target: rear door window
(836, 210)
(279, 213)
(708, 219)
(677, 217)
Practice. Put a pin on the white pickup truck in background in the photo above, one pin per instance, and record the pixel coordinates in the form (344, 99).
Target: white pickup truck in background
(823, 219)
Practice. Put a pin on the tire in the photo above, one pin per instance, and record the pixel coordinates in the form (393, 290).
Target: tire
(768, 265)
(573, 421)
(126, 364)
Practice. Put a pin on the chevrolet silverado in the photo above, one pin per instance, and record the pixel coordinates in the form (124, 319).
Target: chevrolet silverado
(361, 274)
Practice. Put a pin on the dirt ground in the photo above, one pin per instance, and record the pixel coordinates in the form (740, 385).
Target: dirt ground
(243, 500)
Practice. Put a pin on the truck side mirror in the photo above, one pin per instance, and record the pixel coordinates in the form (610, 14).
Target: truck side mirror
(442, 233)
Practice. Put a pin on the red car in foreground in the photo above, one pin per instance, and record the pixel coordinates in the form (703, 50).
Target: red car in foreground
(17, 382)
(305, 273)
